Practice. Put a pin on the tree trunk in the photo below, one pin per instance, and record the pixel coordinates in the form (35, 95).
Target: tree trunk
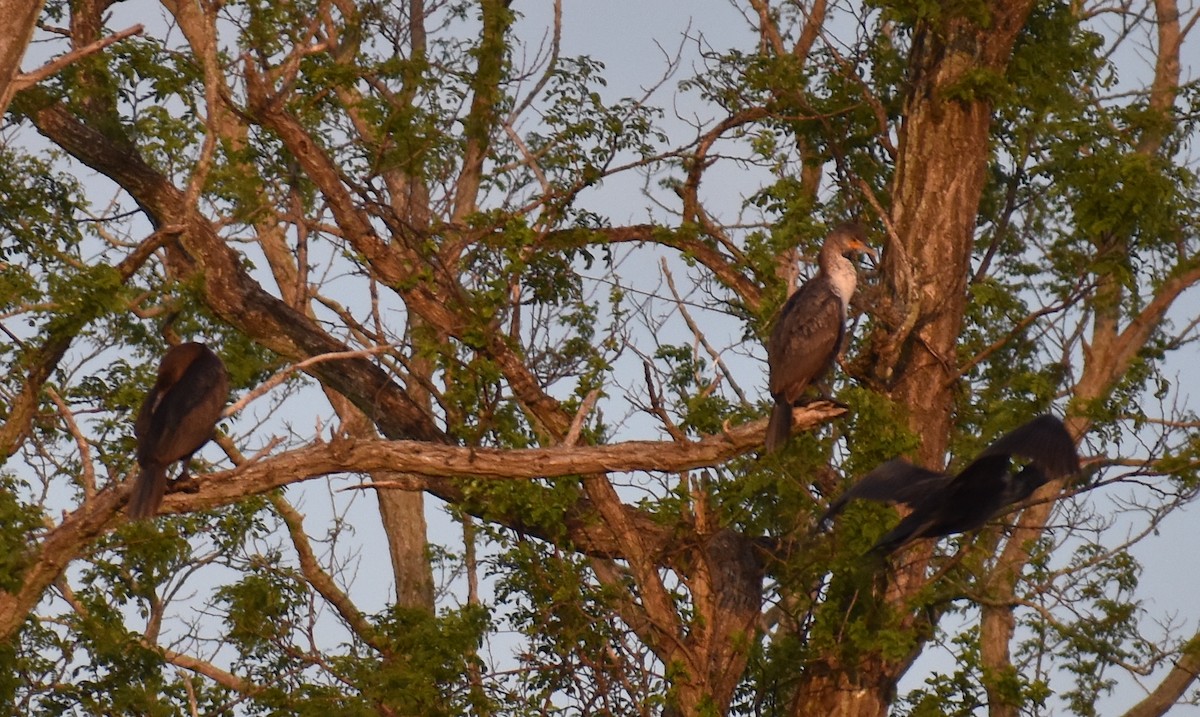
(22, 17)
(403, 514)
(941, 169)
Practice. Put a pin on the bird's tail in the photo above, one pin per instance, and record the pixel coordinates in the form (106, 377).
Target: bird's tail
(148, 490)
(779, 429)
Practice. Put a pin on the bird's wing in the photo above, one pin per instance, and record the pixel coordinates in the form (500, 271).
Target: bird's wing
(969, 499)
(987, 485)
(1023, 484)
(896, 481)
(973, 496)
(982, 489)
(953, 505)
(805, 340)
(1045, 441)
(918, 524)
(143, 426)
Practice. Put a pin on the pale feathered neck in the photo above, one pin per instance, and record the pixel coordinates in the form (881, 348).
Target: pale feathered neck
(843, 277)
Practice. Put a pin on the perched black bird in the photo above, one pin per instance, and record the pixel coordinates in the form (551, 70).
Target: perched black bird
(942, 504)
(808, 335)
(177, 418)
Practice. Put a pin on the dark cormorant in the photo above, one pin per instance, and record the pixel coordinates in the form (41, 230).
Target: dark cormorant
(942, 504)
(177, 418)
(808, 335)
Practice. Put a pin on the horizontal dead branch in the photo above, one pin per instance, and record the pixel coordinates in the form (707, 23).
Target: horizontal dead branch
(439, 464)
(434, 467)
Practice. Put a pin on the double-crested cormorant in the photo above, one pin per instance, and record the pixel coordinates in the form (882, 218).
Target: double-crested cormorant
(943, 504)
(808, 335)
(177, 418)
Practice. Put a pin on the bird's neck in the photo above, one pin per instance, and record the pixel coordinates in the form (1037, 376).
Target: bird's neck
(842, 277)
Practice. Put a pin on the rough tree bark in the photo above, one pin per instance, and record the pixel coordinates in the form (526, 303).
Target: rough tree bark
(21, 17)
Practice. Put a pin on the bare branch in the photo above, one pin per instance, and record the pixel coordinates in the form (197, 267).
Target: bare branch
(88, 477)
(59, 63)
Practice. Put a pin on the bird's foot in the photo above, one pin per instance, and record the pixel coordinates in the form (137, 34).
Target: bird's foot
(184, 484)
(809, 401)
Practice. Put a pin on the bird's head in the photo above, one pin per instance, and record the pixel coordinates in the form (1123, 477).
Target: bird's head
(177, 360)
(847, 240)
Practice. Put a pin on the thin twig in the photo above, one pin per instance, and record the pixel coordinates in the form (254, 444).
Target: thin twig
(282, 374)
(87, 477)
(700, 337)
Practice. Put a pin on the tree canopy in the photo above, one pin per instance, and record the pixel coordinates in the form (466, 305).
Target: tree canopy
(458, 279)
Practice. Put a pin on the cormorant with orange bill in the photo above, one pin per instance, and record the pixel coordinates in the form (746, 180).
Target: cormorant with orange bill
(178, 416)
(808, 334)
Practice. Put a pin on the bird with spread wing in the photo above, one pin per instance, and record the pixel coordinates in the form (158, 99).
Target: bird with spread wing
(943, 504)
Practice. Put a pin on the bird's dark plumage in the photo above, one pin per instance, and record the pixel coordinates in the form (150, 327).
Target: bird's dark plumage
(808, 334)
(943, 504)
(176, 419)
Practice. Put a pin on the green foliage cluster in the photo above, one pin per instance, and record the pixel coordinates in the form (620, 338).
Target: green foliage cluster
(1107, 633)
(36, 198)
(576, 645)
(936, 14)
(21, 521)
(961, 692)
(428, 664)
(583, 132)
